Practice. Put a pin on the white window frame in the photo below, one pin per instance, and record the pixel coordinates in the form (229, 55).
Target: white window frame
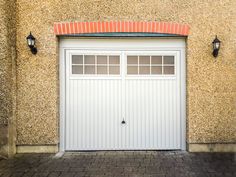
(94, 76)
(154, 53)
(96, 65)
(150, 65)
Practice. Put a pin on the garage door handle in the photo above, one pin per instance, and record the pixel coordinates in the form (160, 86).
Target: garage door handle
(123, 121)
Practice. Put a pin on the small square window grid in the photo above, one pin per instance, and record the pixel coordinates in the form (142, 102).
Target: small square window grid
(95, 64)
(150, 65)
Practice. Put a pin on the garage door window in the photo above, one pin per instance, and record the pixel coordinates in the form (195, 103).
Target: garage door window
(96, 64)
(150, 65)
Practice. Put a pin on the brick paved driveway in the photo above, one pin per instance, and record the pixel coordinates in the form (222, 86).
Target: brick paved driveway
(111, 164)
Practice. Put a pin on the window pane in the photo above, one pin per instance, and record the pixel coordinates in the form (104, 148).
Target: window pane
(89, 59)
(157, 60)
(89, 69)
(101, 70)
(144, 70)
(101, 59)
(132, 59)
(114, 70)
(132, 70)
(169, 60)
(77, 59)
(144, 59)
(114, 59)
(156, 70)
(169, 70)
(77, 69)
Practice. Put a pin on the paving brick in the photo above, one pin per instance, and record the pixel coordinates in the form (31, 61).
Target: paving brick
(67, 174)
(17, 174)
(54, 174)
(121, 164)
(28, 174)
(41, 174)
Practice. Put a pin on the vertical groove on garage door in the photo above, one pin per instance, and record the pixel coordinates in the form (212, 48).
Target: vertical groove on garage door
(152, 114)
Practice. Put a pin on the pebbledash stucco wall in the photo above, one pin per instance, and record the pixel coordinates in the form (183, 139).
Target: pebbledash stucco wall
(7, 77)
(211, 83)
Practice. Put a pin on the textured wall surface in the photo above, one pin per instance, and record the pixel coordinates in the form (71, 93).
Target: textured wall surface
(7, 75)
(211, 84)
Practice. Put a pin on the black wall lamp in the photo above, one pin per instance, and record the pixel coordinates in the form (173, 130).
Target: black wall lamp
(216, 47)
(31, 43)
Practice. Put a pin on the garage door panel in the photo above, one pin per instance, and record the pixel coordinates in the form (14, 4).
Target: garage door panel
(152, 114)
(103, 88)
(94, 113)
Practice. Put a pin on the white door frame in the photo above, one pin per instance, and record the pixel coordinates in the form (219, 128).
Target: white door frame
(142, 44)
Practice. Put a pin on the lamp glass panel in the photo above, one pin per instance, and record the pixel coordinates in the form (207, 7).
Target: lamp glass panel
(29, 42)
(33, 42)
(217, 45)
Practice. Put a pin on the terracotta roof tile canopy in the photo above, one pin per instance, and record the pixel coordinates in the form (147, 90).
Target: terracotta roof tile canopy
(73, 28)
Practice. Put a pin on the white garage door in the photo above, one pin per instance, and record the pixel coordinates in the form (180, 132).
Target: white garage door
(120, 97)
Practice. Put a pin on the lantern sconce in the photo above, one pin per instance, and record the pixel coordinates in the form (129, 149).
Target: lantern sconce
(31, 44)
(216, 47)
